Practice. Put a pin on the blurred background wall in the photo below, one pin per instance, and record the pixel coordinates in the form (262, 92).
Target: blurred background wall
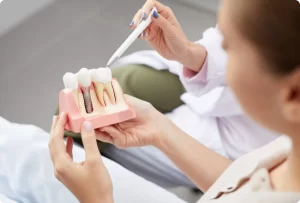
(14, 12)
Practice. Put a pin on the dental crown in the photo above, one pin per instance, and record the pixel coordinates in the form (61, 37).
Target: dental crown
(102, 75)
(84, 77)
(70, 81)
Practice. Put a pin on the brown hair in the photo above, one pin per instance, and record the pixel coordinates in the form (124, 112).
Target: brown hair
(274, 27)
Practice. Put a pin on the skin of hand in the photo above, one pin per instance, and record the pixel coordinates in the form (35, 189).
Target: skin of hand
(166, 36)
(148, 128)
(89, 180)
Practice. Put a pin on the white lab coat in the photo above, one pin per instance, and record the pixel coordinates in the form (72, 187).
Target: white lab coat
(228, 130)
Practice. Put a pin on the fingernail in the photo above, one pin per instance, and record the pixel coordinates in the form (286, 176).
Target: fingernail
(155, 14)
(62, 115)
(144, 16)
(131, 24)
(54, 118)
(87, 126)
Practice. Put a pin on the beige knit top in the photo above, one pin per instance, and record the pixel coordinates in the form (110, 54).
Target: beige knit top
(247, 179)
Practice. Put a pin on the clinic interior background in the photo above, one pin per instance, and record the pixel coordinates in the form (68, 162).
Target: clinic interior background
(40, 40)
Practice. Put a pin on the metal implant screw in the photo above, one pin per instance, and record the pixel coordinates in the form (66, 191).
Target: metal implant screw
(87, 99)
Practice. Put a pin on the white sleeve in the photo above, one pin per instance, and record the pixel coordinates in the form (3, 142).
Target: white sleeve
(207, 91)
(208, 86)
(212, 74)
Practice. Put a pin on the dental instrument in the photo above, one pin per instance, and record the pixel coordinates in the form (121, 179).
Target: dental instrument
(132, 37)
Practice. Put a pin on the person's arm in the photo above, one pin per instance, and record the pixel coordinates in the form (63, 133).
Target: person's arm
(195, 57)
(211, 58)
(209, 81)
(202, 165)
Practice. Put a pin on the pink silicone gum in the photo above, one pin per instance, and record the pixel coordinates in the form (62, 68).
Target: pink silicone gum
(68, 105)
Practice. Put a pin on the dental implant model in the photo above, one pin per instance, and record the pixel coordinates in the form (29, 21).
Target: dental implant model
(102, 80)
(95, 96)
(84, 80)
(70, 82)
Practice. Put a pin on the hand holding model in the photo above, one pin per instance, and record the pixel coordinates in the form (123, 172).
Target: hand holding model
(150, 127)
(89, 180)
(166, 36)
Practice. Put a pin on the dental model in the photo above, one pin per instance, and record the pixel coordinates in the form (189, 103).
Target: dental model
(70, 82)
(102, 81)
(84, 80)
(95, 96)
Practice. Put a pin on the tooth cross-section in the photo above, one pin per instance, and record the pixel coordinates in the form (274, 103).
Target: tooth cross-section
(102, 81)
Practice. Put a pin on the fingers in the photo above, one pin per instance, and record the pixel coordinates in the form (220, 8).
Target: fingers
(54, 121)
(162, 22)
(56, 142)
(148, 6)
(69, 147)
(60, 126)
(90, 143)
(143, 13)
(57, 147)
(136, 19)
(110, 131)
(103, 136)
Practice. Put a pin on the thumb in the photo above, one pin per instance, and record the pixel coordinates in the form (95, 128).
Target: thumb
(162, 22)
(89, 141)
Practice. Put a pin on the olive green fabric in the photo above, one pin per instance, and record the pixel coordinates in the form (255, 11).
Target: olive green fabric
(161, 88)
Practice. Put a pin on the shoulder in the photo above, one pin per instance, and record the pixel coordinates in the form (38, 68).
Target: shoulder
(258, 197)
(244, 167)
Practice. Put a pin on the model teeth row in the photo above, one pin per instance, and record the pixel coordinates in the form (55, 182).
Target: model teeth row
(101, 79)
(85, 77)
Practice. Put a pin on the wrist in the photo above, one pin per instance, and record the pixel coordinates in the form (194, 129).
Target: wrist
(102, 199)
(195, 57)
(167, 131)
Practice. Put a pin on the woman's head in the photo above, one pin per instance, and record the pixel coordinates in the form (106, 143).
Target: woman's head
(262, 39)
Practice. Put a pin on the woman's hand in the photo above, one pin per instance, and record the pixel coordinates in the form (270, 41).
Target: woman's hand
(148, 128)
(166, 36)
(89, 181)
(164, 33)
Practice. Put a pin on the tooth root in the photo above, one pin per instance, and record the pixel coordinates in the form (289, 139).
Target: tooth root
(99, 90)
(118, 92)
(76, 95)
(110, 92)
(106, 99)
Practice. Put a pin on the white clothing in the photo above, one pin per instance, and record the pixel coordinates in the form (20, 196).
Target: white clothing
(210, 114)
(209, 96)
(26, 172)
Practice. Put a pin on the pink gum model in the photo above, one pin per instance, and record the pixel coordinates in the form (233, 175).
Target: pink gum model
(68, 105)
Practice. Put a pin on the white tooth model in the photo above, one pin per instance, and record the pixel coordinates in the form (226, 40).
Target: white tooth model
(84, 79)
(70, 82)
(102, 78)
(99, 99)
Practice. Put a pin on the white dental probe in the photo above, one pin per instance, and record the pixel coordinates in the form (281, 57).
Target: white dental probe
(132, 37)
